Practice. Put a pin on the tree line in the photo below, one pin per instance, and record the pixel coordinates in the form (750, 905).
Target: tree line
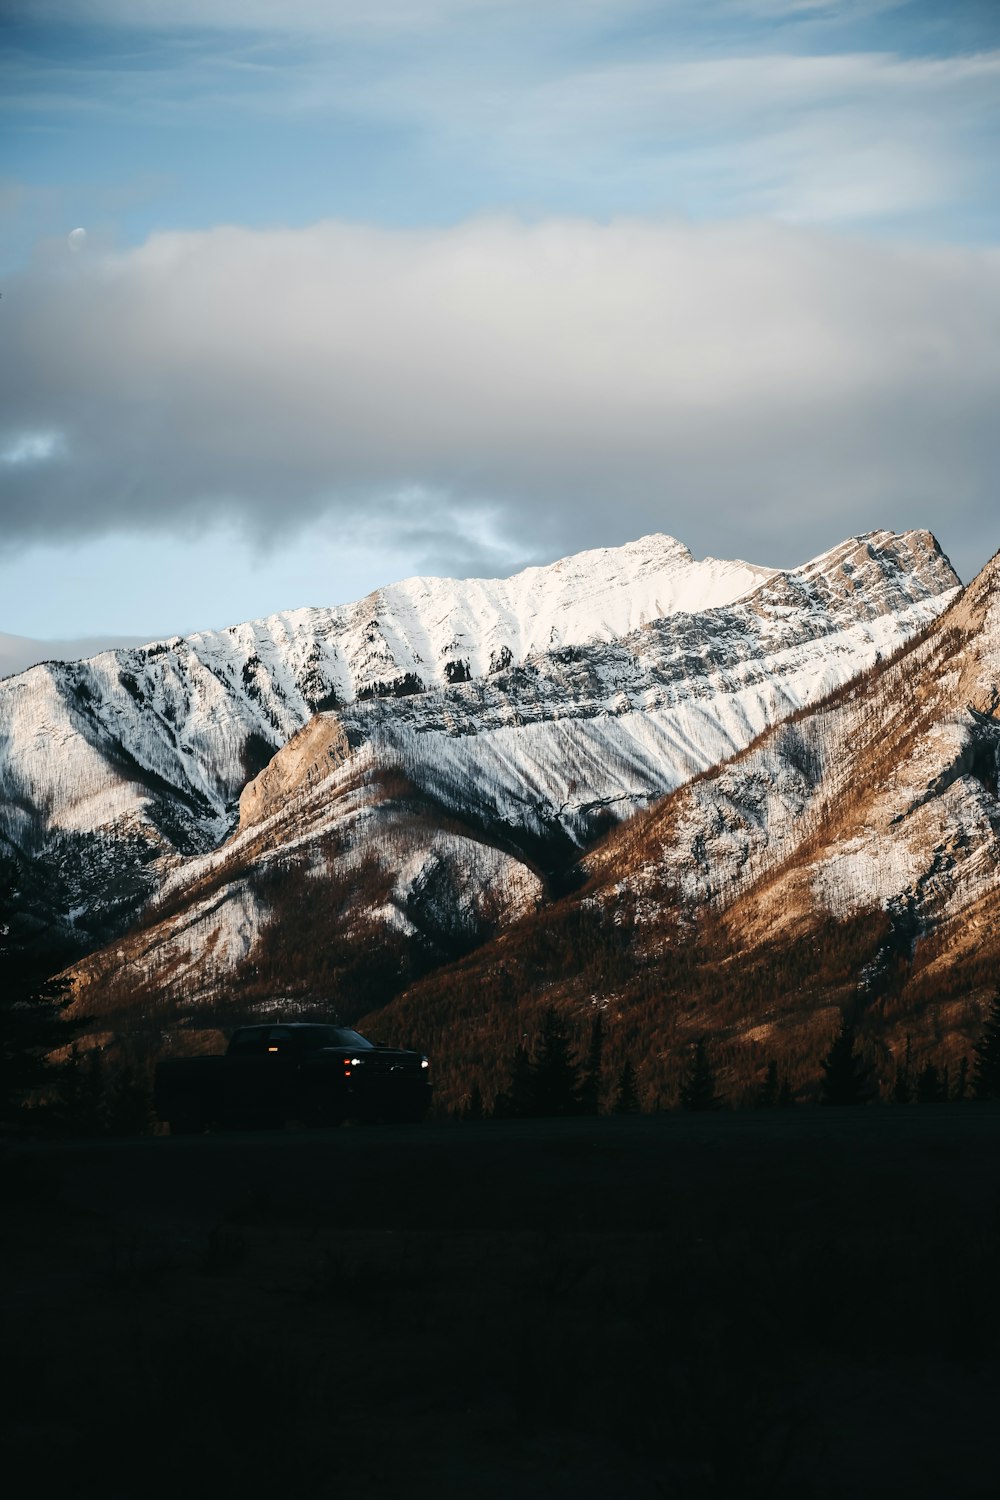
(547, 1080)
(91, 1093)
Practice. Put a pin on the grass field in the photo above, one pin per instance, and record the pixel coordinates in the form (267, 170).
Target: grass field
(775, 1303)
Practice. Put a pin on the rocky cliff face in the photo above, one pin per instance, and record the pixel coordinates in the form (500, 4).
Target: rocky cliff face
(309, 758)
(885, 795)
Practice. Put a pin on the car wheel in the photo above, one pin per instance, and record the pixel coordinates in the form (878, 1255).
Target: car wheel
(409, 1114)
(186, 1117)
(319, 1114)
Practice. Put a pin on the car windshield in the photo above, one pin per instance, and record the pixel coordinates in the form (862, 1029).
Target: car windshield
(263, 1039)
(344, 1037)
(313, 1038)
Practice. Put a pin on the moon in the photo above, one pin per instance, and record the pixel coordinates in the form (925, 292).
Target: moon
(76, 240)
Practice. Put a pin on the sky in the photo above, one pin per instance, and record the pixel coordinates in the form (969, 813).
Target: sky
(455, 286)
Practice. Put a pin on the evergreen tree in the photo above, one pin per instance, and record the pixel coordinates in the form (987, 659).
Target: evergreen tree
(474, 1104)
(128, 1107)
(961, 1089)
(785, 1096)
(767, 1092)
(932, 1086)
(846, 1076)
(698, 1085)
(32, 1026)
(627, 1092)
(81, 1104)
(902, 1089)
(590, 1084)
(517, 1100)
(554, 1082)
(33, 1023)
(986, 1072)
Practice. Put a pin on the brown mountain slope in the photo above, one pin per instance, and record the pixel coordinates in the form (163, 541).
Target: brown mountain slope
(348, 888)
(849, 859)
(395, 832)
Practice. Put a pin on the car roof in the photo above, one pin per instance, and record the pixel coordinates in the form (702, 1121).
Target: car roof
(291, 1025)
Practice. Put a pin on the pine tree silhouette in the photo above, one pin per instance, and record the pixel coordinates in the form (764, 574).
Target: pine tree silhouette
(902, 1089)
(961, 1089)
(846, 1076)
(590, 1084)
(785, 1096)
(474, 1104)
(698, 1086)
(986, 1072)
(81, 1106)
(767, 1092)
(129, 1103)
(32, 1026)
(627, 1092)
(554, 1082)
(517, 1100)
(932, 1086)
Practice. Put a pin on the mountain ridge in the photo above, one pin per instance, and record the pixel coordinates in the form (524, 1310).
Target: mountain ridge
(847, 862)
(503, 777)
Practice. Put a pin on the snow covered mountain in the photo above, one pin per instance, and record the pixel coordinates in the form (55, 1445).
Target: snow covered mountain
(413, 816)
(110, 765)
(848, 860)
(166, 735)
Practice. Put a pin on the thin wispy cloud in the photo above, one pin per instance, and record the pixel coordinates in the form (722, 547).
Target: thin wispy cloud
(314, 17)
(843, 138)
(668, 125)
(381, 17)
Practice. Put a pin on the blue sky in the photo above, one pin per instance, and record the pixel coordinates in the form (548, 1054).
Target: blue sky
(451, 285)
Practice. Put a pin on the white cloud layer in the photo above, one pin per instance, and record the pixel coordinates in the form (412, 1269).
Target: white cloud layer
(749, 387)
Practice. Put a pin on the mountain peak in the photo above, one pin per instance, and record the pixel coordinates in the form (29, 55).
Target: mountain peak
(532, 712)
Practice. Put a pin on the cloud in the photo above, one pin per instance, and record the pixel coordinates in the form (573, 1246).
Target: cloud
(31, 448)
(843, 137)
(18, 652)
(749, 387)
(318, 17)
(449, 107)
(847, 138)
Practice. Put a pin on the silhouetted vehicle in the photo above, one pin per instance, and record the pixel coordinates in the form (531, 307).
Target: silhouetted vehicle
(319, 1074)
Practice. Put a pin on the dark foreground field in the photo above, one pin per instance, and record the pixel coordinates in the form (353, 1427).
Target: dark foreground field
(795, 1303)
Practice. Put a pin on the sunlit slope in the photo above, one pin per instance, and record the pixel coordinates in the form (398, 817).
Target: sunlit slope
(849, 858)
(530, 762)
(412, 822)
